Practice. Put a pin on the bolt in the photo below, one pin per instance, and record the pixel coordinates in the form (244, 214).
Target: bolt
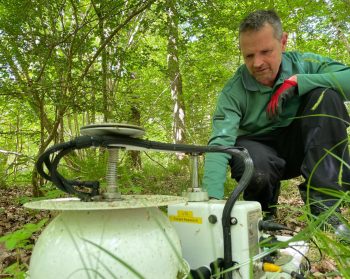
(234, 221)
(212, 219)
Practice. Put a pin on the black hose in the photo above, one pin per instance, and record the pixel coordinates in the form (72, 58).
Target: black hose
(202, 272)
(85, 190)
(226, 215)
(91, 188)
(51, 158)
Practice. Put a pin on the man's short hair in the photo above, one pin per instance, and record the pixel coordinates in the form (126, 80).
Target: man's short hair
(256, 20)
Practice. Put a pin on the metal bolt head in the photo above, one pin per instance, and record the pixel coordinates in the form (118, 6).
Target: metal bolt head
(212, 219)
(234, 221)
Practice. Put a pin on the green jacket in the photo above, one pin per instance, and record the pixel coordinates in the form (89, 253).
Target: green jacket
(241, 106)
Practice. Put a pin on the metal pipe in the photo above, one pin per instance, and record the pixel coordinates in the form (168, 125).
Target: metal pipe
(112, 191)
(195, 184)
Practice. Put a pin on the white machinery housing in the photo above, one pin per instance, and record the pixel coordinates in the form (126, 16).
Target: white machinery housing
(211, 235)
(199, 227)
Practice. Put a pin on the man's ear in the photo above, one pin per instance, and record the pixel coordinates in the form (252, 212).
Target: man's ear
(284, 40)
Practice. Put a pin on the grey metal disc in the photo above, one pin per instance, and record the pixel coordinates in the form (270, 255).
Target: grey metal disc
(110, 129)
(127, 202)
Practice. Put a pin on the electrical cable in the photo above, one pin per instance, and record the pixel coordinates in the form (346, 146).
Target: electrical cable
(51, 162)
(318, 248)
(86, 190)
(226, 214)
(272, 226)
(304, 256)
(269, 266)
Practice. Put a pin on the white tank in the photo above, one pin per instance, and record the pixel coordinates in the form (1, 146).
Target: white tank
(199, 227)
(101, 241)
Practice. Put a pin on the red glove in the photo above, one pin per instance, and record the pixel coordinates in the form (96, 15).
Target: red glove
(286, 91)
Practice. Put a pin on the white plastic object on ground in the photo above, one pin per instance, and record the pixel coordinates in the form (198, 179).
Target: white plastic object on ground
(127, 243)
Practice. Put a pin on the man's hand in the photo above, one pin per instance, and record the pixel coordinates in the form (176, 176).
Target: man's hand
(286, 91)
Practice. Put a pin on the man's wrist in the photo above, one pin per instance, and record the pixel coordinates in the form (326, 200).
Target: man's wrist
(294, 78)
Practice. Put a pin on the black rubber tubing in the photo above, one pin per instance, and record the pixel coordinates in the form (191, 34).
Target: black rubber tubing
(81, 142)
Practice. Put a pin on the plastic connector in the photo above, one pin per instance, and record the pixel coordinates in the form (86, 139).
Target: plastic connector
(270, 267)
(202, 272)
(296, 275)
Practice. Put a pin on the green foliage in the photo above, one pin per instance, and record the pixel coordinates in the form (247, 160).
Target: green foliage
(53, 80)
(49, 192)
(3, 171)
(162, 174)
(20, 239)
(319, 235)
(168, 177)
(336, 249)
(334, 246)
(46, 49)
(15, 271)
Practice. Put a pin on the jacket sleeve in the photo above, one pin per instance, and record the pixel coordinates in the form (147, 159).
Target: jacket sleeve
(324, 72)
(225, 126)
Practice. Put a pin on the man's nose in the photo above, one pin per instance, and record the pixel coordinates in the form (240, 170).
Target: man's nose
(258, 61)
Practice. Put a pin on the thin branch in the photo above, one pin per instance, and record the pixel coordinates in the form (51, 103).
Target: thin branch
(10, 153)
(110, 37)
(45, 64)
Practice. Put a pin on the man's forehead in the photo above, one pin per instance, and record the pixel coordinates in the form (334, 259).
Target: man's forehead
(257, 42)
(266, 29)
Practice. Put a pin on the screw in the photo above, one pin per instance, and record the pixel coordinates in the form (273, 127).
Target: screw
(212, 219)
(234, 221)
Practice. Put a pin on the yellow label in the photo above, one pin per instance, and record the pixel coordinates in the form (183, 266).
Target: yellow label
(185, 217)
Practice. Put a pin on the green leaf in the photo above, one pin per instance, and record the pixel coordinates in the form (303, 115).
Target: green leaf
(20, 238)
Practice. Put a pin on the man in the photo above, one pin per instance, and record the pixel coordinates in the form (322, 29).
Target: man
(264, 107)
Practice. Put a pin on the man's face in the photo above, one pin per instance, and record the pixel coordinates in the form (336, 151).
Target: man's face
(262, 53)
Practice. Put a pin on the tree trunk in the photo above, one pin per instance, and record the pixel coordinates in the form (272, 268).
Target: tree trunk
(36, 181)
(134, 154)
(134, 118)
(175, 74)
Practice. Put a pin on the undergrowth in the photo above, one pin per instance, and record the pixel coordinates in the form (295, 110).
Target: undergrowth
(165, 174)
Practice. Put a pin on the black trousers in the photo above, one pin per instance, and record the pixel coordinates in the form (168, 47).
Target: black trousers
(315, 147)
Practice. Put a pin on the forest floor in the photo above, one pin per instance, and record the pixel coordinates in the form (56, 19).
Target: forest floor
(13, 216)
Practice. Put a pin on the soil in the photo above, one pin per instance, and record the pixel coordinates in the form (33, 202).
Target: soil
(13, 216)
